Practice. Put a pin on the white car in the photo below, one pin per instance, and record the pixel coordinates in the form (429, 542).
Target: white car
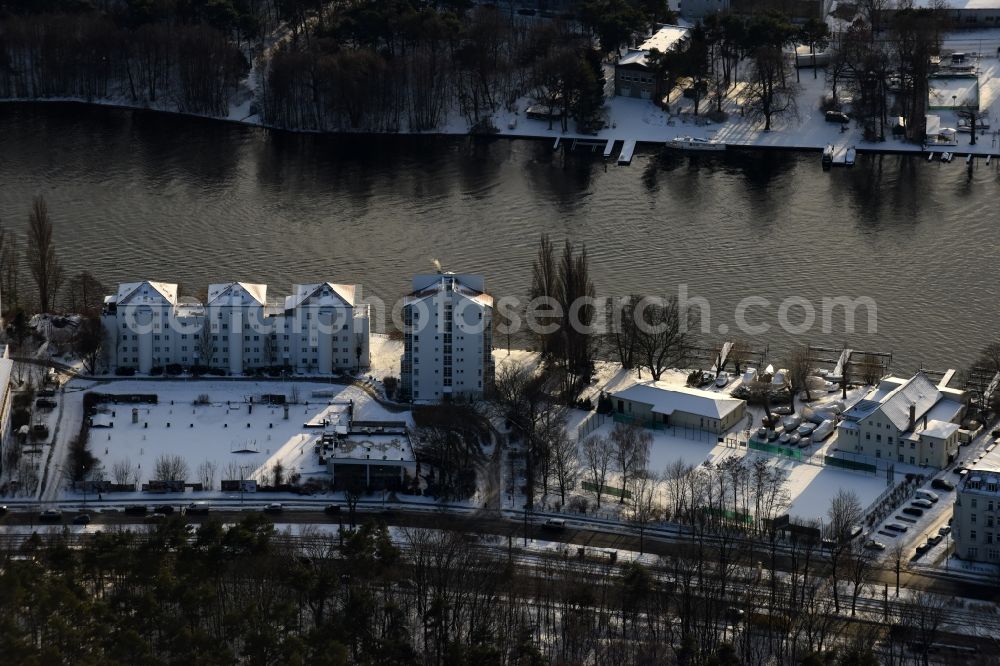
(872, 544)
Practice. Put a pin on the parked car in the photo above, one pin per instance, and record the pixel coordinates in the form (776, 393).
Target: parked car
(155, 518)
(332, 509)
(944, 530)
(3, 510)
(913, 511)
(927, 495)
(935, 540)
(81, 519)
(959, 470)
(872, 544)
(896, 527)
(50, 516)
(164, 508)
(45, 403)
(942, 484)
(136, 510)
(923, 548)
(554, 524)
(198, 508)
(922, 504)
(837, 117)
(274, 507)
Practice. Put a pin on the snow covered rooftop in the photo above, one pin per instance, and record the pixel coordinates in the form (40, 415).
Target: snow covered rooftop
(666, 38)
(667, 398)
(472, 287)
(321, 293)
(145, 293)
(236, 293)
(919, 393)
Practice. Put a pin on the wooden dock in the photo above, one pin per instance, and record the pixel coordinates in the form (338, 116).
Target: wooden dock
(625, 157)
(609, 148)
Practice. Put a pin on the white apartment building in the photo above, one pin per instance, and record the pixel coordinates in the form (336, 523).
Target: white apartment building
(976, 524)
(910, 421)
(447, 339)
(320, 328)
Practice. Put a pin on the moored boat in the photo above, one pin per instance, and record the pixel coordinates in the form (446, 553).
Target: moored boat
(695, 144)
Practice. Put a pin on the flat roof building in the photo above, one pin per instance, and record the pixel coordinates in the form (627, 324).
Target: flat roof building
(659, 405)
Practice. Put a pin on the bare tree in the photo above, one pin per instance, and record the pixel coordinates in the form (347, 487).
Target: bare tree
(799, 370)
(204, 345)
(170, 467)
(643, 505)
(544, 285)
(624, 330)
(206, 474)
(565, 463)
(41, 251)
(84, 294)
(597, 454)
(88, 341)
(122, 471)
(631, 451)
(845, 513)
(662, 340)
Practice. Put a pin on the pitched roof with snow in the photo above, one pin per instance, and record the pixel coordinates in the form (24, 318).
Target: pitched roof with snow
(919, 392)
(667, 399)
(321, 293)
(472, 287)
(243, 293)
(145, 293)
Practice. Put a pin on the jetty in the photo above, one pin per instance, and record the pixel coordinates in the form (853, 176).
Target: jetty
(625, 157)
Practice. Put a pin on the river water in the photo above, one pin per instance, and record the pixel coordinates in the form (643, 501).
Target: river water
(142, 195)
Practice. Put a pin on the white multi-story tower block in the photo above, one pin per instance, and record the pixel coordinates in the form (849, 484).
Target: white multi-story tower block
(447, 337)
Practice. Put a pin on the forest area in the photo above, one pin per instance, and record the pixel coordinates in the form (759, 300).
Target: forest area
(249, 594)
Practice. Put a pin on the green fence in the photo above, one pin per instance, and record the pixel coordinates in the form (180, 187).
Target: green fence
(645, 423)
(833, 461)
(608, 490)
(775, 449)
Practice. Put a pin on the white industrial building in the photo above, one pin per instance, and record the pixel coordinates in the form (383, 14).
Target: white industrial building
(447, 339)
(319, 328)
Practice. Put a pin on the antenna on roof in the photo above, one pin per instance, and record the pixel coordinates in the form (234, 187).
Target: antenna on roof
(437, 266)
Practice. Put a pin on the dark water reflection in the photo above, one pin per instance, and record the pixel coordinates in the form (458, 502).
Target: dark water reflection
(146, 195)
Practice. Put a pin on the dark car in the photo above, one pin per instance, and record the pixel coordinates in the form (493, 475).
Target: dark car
(913, 511)
(274, 507)
(46, 393)
(81, 519)
(837, 117)
(3, 510)
(942, 484)
(198, 508)
(50, 516)
(332, 509)
(45, 403)
(136, 510)
(165, 508)
(155, 518)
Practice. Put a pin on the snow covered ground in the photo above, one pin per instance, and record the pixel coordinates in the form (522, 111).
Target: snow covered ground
(642, 121)
(225, 431)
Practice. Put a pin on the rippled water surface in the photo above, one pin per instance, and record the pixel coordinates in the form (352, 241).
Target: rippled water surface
(138, 195)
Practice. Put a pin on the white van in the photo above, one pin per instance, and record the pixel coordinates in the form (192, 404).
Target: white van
(554, 524)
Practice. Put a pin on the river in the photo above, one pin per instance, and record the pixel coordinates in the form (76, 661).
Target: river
(139, 195)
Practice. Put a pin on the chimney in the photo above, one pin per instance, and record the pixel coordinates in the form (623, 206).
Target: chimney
(913, 416)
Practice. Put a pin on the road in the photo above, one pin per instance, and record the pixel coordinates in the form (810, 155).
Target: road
(510, 526)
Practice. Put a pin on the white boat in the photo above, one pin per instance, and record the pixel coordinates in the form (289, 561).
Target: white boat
(849, 157)
(946, 157)
(823, 430)
(695, 144)
(828, 155)
(722, 379)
